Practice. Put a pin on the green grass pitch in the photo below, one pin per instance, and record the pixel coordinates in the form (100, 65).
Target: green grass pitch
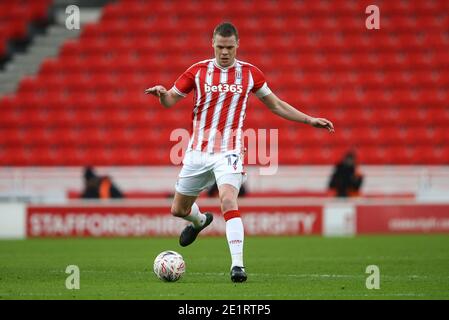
(411, 267)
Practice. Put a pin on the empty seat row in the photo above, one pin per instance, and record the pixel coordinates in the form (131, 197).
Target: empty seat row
(242, 8)
(303, 80)
(146, 155)
(160, 133)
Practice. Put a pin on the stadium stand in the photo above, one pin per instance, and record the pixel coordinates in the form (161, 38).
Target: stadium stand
(385, 90)
(16, 18)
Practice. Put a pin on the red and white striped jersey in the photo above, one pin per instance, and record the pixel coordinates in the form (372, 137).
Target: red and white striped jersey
(220, 102)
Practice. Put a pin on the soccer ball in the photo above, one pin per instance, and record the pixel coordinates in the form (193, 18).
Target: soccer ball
(169, 266)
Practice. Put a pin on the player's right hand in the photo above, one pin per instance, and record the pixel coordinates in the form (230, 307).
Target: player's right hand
(322, 123)
(157, 91)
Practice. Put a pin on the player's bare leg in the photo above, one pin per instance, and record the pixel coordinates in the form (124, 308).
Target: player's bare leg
(234, 230)
(184, 206)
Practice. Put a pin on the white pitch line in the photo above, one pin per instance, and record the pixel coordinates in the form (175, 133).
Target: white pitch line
(303, 275)
(313, 275)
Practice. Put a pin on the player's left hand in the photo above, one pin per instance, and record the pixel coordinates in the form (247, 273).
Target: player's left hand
(322, 123)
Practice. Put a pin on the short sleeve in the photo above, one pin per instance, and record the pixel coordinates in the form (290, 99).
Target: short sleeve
(186, 82)
(260, 87)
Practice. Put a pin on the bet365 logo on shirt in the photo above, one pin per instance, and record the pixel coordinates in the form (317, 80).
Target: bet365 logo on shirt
(224, 87)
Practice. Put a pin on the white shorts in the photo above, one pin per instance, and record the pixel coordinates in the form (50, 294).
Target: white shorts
(201, 170)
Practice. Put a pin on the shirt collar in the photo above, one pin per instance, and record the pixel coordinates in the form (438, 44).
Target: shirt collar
(224, 68)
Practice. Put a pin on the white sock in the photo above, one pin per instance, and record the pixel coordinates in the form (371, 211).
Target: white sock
(195, 216)
(235, 236)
